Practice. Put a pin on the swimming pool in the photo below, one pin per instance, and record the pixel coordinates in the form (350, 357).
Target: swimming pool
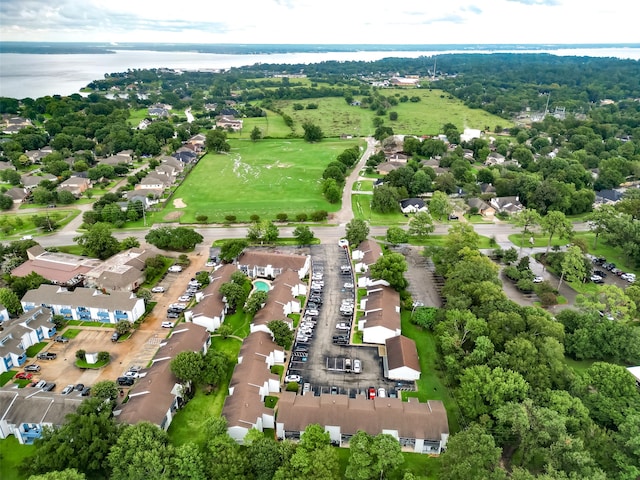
(261, 286)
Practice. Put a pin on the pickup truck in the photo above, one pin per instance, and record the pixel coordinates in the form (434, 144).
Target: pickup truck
(47, 356)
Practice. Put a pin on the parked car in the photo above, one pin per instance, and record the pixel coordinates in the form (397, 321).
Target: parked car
(340, 339)
(24, 376)
(49, 387)
(115, 337)
(67, 390)
(600, 273)
(343, 242)
(32, 368)
(86, 391)
(357, 366)
(596, 279)
(130, 374)
(41, 383)
(312, 312)
(61, 339)
(168, 324)
(382, 393)
(538, 279)
(371, 393)
(306, 388)
(343, 326)
(157, 289)
(79, 387)
(175, 269)
(125, 381)
(293, 378)
(47, 356)
(348, 285)
(184, 298)
(210, 264)
(629, 277)
(178, 306)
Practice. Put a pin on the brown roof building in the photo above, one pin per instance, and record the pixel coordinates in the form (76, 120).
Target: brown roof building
(59, 268)
(265, 264)
(211, 309)
(281, 301)
(419, 427)
(401, 361)
(381, 319)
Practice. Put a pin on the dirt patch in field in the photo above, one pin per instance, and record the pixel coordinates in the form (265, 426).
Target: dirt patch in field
(179, 203)
(173, 216)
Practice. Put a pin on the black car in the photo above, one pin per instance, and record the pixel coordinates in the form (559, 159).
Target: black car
(600, 273)
(86, 391)
(173, 315)
(125, 381)
(49, 386)
(47, 356)
(315, 299)
(313, 306)
(79, 387)
(174, 310)
(115, 337)
(61, 339)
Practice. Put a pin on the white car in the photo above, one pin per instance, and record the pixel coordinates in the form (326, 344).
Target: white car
(292, 378)
(312, 312)
(67, 390)
(157, 289)
(168, 324)
(343, 242)
(348, 285)
(41, 383)
(538, 280)
(131, 374)
(343, 326)
(210, 263)
(184, 298)
(175, 269)
(27, 237)
(178, 306)
(382, 393)
(629, 277)
(357, 366)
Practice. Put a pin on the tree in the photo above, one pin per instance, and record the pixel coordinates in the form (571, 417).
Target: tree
(232, 249)
(390, 267)
(98, 241)
(216, 140)
(303, 235)
(608, 300)
(572, 266)
(385, 199)
(105, 390)
(421, 225)
(439, 205)
(188, 366)
(179, 239)
(472, 455)
(312, 132)
(264, 456)
(123, 327)
(66, 474)
(510, 255)
(83, 442)
(255, 302)
(396, 235)
(226, 460)
(141, 451)
(6, 202)
(361, 459)
(188, 463)
(215, 367)
(527, 219)
(356, 231)
(256, 134)
(599, 221)
(129, 242)
(313, 458)
(556, 223)
(10, 301)
(234, 294)
(282, 334)
(271, 232)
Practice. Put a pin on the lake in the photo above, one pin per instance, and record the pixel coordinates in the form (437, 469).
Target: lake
(36, 75)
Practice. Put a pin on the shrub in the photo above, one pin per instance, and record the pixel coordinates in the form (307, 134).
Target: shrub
(525, 285)
(282, 217)
(512, 273)
(202, 218)
(301, 217)
(103, 356)
(548, 299)
(292, 387)
(254, 218)
(319, 215)
(230, 218)
(81, 354)
(424, 317)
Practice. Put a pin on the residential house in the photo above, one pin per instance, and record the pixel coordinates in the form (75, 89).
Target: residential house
(404, 82)
(173, 162)
(468, 155)
(635, 371)
(413, 205)
(510, 205)
(482, 207)
(85, 303)
(6, 166)
(153, 181)
(36, 156)
(144, 123)
(396, 157)
(469, 134)
(24, 412)
(365, 255)
(167, 170)
(266, 264)
(432, 162)
(32, 181)
(609, 196)
(494, 158)
(487, 188)
(75, 185)
(146, 196)
(385, 167)
(19, 334)
(381, 319)
(185, 156)
(229, 122)
(59, 268)
(18, 194)
(401, 361)
(123, 158)
(282, 300)
(211, 309)
(123, 272)
(157, 112)
(158, 394)
(419, 427)
(11, 125)
(250, 383)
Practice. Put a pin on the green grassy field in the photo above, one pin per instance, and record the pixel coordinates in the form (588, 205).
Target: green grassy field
(264, 178)
(426, 117)
(137, 115)
(361, 205)
(11, 456)
(12, 224)
(271, 126)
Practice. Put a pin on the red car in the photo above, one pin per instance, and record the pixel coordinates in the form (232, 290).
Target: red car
(372, 393)
(24, 376)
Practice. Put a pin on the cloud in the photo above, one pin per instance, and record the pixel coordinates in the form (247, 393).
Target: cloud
(473, 9)
(548, 3)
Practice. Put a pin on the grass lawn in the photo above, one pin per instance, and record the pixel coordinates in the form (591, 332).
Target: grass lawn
(33, 350)
(578, 366)
(72, 332)
(362, 209)
(72, 249)
(539, 240)
(136, 116)
(264, 178)
(363, 186)
(6, 376)
(430, 386)
(11, 456)
(612, 254)
(270, 401)
(271, 126)
(189, 424)
(424, 467)
(22, 224)
(240, 322)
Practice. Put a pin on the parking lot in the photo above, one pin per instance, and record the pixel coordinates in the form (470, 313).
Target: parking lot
(321, 349)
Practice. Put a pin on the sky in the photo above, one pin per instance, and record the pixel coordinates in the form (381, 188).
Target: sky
(321, 21)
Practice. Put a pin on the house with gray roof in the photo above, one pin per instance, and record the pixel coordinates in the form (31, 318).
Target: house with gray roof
(20, 333)
(18, 194)
(24, 412)
(85, 303)
(510, 205)
(123, 272)
(413, 205)
(154, 181)
(158, 394)
(381, 319)
(481, 206)
(7, 166)
(418, 427)
(75, 185)
(32, 181)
